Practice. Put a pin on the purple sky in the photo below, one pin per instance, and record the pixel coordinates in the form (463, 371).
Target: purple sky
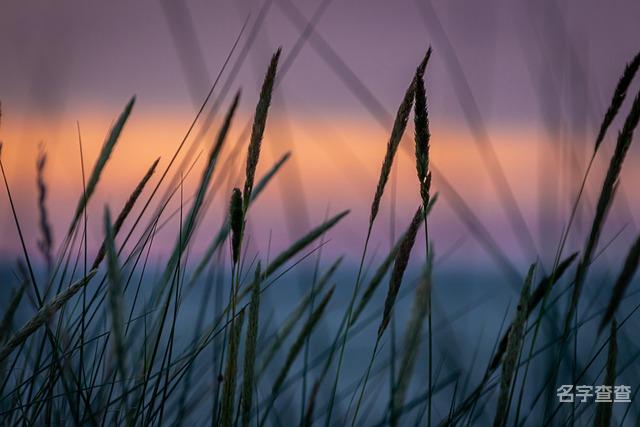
(517, 56)
(546, 66)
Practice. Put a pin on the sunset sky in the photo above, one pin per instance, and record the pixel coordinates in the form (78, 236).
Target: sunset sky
(530, 79)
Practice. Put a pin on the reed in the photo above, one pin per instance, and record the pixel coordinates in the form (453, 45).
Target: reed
(399, 267)
(609, 186)
(422, 137)
(257, 130)
(399, 126)
(382, 270)
(91, 365)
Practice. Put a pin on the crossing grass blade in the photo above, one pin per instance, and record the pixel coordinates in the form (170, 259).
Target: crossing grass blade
(126, 210)
(294, 318)
(122, 380)
(231, 372)
(411, 341)
(514, 344)
(193, 216)
(399, 267)
(295, 349)
(251, 350)
(382, 269)
(101, 162)
(116, 305)
(536, 297)
(303, 242)
(225, 228)
(624, 280)
(9, 314)
(607, 194)
(605, 409)
(43, 315)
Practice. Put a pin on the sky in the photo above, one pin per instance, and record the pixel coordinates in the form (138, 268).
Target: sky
(527, 81)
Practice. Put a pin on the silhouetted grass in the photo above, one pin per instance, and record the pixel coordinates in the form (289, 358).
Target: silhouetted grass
(116, 353)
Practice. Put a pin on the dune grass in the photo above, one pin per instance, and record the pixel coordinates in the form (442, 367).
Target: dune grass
(107, 345)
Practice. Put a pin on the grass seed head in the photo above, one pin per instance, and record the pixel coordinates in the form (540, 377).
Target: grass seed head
(619, 95)
(399, 126)
(422, 137)
(399, 267)
(605, 200)
(236, 219)
(257, 131)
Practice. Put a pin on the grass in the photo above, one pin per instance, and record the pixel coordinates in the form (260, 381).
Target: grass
(104, 345)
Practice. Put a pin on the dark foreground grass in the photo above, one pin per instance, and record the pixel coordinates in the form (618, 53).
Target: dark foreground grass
(104, 346)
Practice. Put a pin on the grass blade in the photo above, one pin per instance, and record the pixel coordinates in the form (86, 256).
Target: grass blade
(43, 315)
(115, 297)
(251, 350)
(295, 349)
(514, 344)
(605, 200)
(103, 158)
(126, 209)
(604, 409)
(231, 373)
(412, 339)
(536, 297)
(624, 279)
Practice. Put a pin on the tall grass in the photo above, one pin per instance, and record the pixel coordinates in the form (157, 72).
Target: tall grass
(116, 354)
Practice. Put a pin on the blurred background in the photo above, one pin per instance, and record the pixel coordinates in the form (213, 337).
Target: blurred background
(516, 93)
